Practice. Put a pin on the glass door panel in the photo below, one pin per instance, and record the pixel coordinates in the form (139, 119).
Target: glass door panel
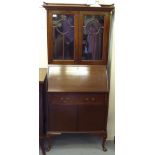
(92, 43)
(63, 36)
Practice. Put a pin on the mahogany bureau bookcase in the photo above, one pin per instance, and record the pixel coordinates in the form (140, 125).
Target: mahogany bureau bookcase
(78, 86)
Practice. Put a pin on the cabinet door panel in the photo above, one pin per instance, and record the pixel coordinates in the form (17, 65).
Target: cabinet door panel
(92, 42)
(62, 37)
(92, 118)
(62, 118)
(94, 37)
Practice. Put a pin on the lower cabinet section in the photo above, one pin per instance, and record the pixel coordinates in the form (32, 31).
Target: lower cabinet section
(73, 112)
(77, 113)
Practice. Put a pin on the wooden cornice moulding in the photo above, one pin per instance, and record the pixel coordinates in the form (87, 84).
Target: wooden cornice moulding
(77, 7)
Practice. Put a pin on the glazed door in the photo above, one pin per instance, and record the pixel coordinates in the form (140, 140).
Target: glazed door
(94, 35)
(62, 37)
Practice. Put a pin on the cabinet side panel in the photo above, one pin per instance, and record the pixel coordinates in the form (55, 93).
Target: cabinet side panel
(106, 37)
(49, 36)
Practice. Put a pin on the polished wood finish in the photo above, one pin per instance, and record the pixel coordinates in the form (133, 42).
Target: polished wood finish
(77, 7)
(90, 118)
(77, 78)
(42, 90)
(77, 98)
(49, 36)
(77, 111)
(78, 11)
(106, 38)
(78, 90)
(62, 118)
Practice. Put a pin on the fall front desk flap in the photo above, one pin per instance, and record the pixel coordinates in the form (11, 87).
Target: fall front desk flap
(77, 78)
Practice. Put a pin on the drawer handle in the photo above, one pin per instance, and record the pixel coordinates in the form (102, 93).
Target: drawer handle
(67, 98)
(93, 99)
(86, 99)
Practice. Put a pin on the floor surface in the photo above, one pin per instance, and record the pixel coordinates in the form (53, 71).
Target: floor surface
(79, 145)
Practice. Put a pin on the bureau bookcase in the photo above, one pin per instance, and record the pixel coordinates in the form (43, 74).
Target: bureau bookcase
(78, 86)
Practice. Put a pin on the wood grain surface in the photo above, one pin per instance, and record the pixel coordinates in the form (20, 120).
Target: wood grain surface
(77, 78)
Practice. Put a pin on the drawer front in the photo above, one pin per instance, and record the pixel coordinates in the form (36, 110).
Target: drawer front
(78, 98)
(62, 99)
(92, 99)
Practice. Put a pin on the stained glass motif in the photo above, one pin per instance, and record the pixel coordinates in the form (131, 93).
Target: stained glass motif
(92, 37)
(63, 36)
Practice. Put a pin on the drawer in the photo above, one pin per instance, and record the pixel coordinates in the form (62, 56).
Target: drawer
(92, 99)
(59, 98)
(78, 98)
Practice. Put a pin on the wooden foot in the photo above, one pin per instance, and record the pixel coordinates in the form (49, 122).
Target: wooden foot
(41, 143)
(104, 148)
(104, 142)
(48, 144)
(49, 139)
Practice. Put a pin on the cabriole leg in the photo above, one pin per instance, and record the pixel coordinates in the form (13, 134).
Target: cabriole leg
(41, 143)
(104, 142)
(48, 144)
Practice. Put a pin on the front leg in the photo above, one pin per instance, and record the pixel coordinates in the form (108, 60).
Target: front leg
(41, 143)
(104, 137)
(48, 144)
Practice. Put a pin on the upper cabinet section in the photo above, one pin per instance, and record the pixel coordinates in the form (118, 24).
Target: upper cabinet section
(78, 34)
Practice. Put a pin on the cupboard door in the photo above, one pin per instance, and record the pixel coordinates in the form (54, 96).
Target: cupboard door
(62, 36)
(62, 118)
(94, 34)
(92, 118)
